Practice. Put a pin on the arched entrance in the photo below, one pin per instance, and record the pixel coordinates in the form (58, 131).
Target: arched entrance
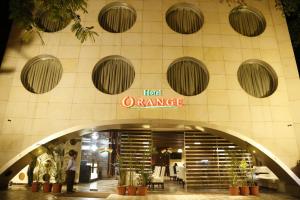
(290, 180)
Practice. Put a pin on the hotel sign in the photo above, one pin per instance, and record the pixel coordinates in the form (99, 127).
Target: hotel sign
(151, 99)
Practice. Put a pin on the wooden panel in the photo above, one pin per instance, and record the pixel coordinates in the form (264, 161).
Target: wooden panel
(208, 160)
(135, 148)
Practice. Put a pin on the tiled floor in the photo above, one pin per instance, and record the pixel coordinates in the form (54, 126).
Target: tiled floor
(27, 195)
(172, 191)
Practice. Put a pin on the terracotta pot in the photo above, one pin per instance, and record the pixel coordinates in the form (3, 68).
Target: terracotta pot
(35, 187)
(142, 190)
(121, 190)
(234, 190)
(244, 190)
(254, 190)
(47, 187)
(131, 190)
(56, 188)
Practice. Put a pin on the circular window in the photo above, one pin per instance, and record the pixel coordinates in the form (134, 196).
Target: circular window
(184, 18)
(113, 75)
(188, 76)
(257, 78)
(49, 21)
(41, 74)
(117, 17)
(247, 21)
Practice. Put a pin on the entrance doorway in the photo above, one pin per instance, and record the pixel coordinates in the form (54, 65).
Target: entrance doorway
(194, 159)
(177, 160)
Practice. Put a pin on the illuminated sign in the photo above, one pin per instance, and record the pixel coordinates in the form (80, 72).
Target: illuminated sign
(151, 99)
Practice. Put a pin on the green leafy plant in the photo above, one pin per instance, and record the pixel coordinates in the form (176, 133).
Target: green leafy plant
(36, 172)
(131, 170)
(27, 14)
(58, 155)
(252, 177)
(243, 166)
(122, 171)
(47, 170)
(234, 166)
(144, 175)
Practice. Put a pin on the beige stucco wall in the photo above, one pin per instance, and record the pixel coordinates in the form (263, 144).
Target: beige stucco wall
(151, 46)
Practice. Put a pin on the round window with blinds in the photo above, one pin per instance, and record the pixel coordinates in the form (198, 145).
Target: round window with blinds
(49, 21)
(41, 74)
(247, 21)
(188, 76)
(257, 78)
(184, 18)
(113, 75)
(117, 17)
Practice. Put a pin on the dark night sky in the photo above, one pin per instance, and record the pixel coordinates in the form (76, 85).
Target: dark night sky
(5, 25)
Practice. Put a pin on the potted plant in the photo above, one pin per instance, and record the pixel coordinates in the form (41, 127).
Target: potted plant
(122, 177)
(36, 174)
(243, 168)
(142, 188)
(144, 179)
(233, 187)
(131, 189)
(254, 188)
(58, 154)
(47, 186)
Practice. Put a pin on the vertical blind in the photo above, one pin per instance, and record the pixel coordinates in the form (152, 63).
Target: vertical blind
(247, 21)
(188, 76)
(48, 23)
(41, 74)
(257, 78)
(117, 17)
(184, 18)
(113, 75)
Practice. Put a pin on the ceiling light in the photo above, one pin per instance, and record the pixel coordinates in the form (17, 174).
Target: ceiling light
(179, 150)
(146, 126)
(199, 128)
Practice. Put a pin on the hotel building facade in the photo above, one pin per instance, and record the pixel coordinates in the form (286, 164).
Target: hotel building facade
(197, 66)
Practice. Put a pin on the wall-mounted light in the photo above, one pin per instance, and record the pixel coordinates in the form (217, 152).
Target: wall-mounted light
(179, 150)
